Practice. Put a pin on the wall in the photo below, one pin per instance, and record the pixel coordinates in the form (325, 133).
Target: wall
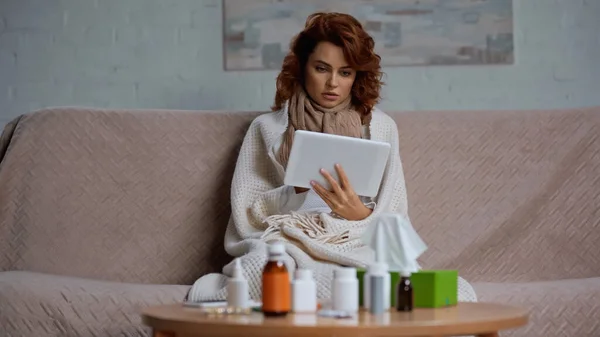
(167, 54)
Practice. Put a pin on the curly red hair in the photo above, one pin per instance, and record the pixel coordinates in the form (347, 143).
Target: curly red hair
(346, 32)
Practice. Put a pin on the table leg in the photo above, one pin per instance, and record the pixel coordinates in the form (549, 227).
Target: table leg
(157, 333)
(491, 334)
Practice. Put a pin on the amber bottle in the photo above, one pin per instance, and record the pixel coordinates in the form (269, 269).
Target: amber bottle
(404, 293)
(276, 287)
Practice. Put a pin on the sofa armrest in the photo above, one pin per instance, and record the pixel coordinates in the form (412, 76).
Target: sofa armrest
(6, 136)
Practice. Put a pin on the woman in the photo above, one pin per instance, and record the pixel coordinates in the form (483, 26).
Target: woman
(329, 82)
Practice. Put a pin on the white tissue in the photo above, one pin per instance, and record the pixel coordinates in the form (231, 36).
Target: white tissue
(395, 242)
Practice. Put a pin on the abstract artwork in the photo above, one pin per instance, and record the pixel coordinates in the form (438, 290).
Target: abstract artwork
(257, 33)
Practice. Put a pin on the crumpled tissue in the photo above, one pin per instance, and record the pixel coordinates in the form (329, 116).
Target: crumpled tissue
(395, 242)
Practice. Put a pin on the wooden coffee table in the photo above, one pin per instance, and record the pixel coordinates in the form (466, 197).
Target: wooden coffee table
(481, 319)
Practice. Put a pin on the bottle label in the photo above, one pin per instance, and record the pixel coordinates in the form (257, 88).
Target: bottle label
(276, 294)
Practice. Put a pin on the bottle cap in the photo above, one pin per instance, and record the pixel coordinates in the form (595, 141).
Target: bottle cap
(405, 273)
(345, 272)
(276, 248)
(237, 269)
(303, 274)
(378, 268)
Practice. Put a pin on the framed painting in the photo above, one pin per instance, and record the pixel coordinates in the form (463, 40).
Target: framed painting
(257, 33)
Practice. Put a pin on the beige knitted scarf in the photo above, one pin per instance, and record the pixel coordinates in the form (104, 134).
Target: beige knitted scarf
(306, 114)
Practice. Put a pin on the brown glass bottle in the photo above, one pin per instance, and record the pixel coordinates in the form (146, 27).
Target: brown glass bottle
(276, 288)
(404, 293)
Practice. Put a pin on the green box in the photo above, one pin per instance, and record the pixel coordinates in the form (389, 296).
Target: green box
(434, 288)
(431, 288)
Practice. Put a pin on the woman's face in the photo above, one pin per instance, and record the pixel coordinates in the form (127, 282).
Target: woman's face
(328, 78)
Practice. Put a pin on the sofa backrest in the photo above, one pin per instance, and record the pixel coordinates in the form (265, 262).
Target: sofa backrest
(505, 195)
(134, 196)
(143, 196)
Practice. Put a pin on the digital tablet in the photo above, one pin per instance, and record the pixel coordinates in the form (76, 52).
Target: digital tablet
(363, 160)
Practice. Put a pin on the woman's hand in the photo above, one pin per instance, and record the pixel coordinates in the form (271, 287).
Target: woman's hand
(342, 200)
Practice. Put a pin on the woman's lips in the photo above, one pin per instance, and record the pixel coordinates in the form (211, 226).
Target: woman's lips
(330, 96)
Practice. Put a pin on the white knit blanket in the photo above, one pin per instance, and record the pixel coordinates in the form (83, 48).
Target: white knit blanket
(317, 241)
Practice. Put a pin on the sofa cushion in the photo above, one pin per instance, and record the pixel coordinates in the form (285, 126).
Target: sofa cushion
(35, 304)
(557, 308)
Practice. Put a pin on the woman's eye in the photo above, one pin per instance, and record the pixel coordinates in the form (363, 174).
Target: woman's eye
(346, 73)
(321, 69)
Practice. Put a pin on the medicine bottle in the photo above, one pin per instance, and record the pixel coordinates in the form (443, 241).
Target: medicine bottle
(378, 290)
(404, 293)
(345, 290)
(377, 269)
(276, 288)
(304, 292)
(237, 288)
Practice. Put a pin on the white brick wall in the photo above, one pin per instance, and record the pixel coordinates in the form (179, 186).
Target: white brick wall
(167, 54)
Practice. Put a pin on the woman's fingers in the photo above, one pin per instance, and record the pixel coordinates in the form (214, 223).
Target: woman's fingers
(335, 187)
(343, 177)
(323, 193)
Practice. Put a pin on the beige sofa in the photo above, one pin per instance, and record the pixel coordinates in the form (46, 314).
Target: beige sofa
(103, 212)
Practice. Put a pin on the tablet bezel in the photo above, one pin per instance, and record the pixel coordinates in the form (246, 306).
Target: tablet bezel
(319, 149)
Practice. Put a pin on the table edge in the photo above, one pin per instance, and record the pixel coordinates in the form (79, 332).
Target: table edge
(519, 319)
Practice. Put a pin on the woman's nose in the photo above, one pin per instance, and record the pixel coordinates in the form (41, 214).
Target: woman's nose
(332, 81)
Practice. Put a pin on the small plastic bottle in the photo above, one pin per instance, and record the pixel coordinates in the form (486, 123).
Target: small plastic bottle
(378, 268)
(404, 293)
(379, 288)
(304, 292)
(377, 306)
(276, 287)
(237, 288)
(345, 290)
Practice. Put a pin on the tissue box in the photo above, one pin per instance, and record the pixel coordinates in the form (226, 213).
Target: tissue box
(431, 288)
(434, 288)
